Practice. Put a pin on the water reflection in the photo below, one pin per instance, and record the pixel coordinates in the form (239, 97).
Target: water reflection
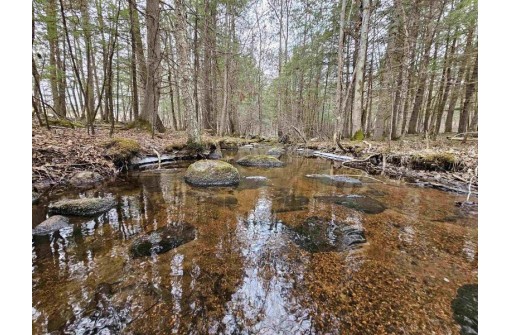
(264, 303)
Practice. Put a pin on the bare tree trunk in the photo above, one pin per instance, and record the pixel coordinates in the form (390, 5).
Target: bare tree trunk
(340, 67)
(185, 73)
(469, 93)
(133, 60)
(356, 114)
(151, 98)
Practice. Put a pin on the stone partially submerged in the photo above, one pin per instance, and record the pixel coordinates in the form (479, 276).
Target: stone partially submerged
(336, 180)
(85, 179)
(276, 151)
(357, 202)
(162, 240)
(260, 161)
(212, 173)
(50, 225)
(82, 207)
(320, 235)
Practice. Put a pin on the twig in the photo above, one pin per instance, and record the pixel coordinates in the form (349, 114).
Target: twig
(299, 133)
(469, 189)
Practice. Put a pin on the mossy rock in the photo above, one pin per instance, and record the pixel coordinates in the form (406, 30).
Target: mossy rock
(260, 161)
(162, 240)
(85, 178)
(50, 225)
(212, 173)
(82, 207)
(121, 149)
(140, 124)
(357, 202)
(276, 151)
(65, 123)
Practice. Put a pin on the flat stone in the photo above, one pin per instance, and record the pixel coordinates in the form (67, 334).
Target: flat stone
(53, 223)
(260, 161)
(212, 173)
(357, 202)
(336, 180)
(82, 207)
(85, 178)
(162, 240)
(321, 235)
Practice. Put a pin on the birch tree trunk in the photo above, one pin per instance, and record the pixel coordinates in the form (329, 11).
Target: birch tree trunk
(340, 66)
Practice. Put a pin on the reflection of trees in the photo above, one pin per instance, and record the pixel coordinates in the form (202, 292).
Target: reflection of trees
(266, 301)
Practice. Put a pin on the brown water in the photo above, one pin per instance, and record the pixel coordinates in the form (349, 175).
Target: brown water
(247, 272)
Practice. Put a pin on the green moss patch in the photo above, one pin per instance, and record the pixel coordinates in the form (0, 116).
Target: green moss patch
(432, 162)
(121, 149)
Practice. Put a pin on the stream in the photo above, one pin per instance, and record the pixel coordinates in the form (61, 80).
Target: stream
(281, 253)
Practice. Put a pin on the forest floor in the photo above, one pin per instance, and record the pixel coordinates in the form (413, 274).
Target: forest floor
(59, 153)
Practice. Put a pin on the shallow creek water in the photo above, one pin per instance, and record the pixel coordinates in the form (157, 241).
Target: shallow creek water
(256, 265)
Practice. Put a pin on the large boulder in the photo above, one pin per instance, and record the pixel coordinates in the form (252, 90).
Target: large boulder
(53, 223)
(212, 173)
(336, 180)
(357, 202)
(82, 207)
(162, 240)
(260, 161)
(85, 178)
(320, 235)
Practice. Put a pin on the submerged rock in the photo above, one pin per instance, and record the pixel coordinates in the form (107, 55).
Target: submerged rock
(162, 240)
(320, 235)
(53, 223)
(464, 308)
(83, 206)
(277, 152)
(212, 173)
(357, 202)
(336, 180)
(289, 203)
(260, 161)
(85, 178)
(253, 182)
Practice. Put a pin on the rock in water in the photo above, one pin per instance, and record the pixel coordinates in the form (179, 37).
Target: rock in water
(360, 203)
(162, 240)
(464, 308)
(320, 235)
(212, 173)
(253, 182)
(85, 178)
(336, 180)
(277, 152)
(260, 161)
(53, 223)
(82, 207)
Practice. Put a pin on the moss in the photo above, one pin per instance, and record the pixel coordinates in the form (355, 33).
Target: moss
(121, 149)
(140, 124)
(359, 135)
(65, 123)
